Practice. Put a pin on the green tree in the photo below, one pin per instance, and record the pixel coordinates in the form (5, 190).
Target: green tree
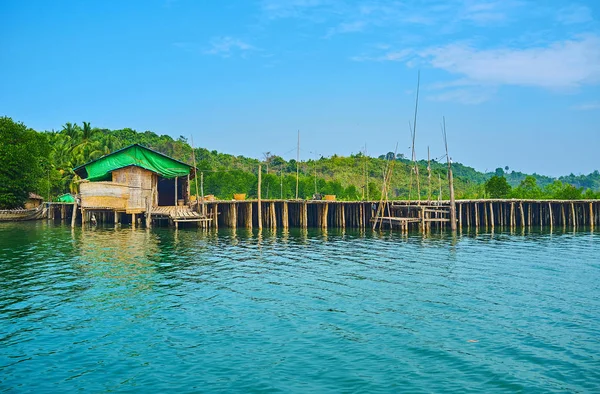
(528, 188)
(23, 159)
(497, 187)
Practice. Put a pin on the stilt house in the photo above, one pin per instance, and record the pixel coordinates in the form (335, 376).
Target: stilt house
(134, 180)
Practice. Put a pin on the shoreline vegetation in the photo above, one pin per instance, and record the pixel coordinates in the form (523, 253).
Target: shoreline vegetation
(43, 162)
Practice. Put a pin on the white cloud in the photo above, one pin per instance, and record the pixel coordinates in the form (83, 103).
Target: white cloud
(590, 106)
(278, 9)
(469, 95)
(395, 56)
(342, 28)
(574, 14)
(227, 46)
(562, 65)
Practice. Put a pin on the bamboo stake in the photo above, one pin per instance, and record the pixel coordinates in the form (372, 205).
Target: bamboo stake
(492, 214)
(451, 184)
(273, 216)
(297, 164)
(259, 210)
(522, 214)
(285, 216)
(74, 217)
(592, 215)
(551, 218)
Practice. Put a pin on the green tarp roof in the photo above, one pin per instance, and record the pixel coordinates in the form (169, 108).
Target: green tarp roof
(133, 155)
(65, 198)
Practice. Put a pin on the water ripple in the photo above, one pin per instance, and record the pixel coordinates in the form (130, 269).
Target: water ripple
(133, 310)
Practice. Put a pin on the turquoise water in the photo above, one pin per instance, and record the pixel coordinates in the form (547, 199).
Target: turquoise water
(187, 311)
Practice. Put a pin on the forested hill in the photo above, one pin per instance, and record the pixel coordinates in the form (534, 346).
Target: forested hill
(43, 162)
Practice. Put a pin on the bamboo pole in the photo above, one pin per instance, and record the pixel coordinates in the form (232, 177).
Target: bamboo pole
(476, 215)
(259, 208)
(551, 216)
(451, 184)
(324, 216)
(297, 164)
(512, 211)
(573, 215)
(304, 214)
(273, 216)
(175, 191)
(591, 215)
(249, 215)
(216, 216)
(74, 217)
(492, 214)
(285, 216)
(522, 214)
(460, 216)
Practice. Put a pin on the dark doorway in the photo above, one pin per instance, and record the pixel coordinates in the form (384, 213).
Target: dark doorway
(166, 192)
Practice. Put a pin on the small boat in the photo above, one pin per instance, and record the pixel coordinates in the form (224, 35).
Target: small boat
(13, 215)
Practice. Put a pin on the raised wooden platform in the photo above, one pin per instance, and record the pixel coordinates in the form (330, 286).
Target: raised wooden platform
(178, 214)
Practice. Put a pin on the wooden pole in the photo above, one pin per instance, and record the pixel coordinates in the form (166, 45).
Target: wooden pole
(196, 174)
(175, 191)
(492, 214)
(512, 212)
(216, 216)
(522, 214)
(202, 191)
(259, 198)
(476, 215)
(249, 215)
(592, 215)
(573, 215)
(563, 214)
(451, 184)
(297, 164)
(304, 214)
(273, 216)
(285, 216)
(74, 217)
(551, 218)
(324, 216)
(460, 216)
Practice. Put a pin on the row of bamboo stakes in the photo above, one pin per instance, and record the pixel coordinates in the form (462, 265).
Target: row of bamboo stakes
(471, 214)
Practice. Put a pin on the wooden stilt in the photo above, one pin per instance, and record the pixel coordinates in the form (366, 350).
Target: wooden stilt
(551, 216)
(460, 216)
(592, 215)
(574, 219)
(285, 216)
(249, 215)
(522, 214)
(259, 210)
(563, 214)
(324, 215)
(273, 216)
(492, 214)
(512, 212)
(74, 216)
(476, 216)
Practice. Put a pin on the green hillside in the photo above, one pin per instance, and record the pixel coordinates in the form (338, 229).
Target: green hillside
(50, 157)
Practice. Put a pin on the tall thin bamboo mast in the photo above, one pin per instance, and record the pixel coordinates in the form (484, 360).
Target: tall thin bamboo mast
(259, 204)
(451, 183)
(195, 175)
(297, 163)
(428, 175)
(315, 173)
(367, 170)
(415, 135)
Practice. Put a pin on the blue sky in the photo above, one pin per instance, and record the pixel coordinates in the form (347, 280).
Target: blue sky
(517, 80)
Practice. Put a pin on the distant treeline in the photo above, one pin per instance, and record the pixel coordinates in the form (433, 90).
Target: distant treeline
(43, 162)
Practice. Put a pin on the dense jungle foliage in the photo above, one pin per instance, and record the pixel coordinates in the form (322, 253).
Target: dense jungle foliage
(43, 162)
